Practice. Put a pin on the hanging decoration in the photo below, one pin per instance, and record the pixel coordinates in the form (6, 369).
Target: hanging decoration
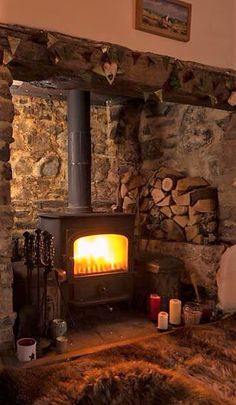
(166, 61)
(146, 96)
(232, 99)
(159, 95)
(13, 43)
(110, 70)
(7, 57)
(51, 40)
(110, 61)
(135, 56)
(151, 61)
(213, 99)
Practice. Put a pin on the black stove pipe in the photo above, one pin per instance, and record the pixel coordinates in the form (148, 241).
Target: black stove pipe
(79, 152)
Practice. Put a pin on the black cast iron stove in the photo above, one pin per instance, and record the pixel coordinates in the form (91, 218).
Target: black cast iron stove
(95, 249)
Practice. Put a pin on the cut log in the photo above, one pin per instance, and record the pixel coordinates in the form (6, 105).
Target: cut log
(164, 172)
(133, 193)
(157, 184)
(128, 175)
(191, 232)
(167, 184)
(166, 202)
(135, 182)
(146, 205)
(157, 195)
(158, 234)
(166, 211)
(205, 206)
(211, 227)
(196, 219)
(123, 190)
(129, 204)
(183, 199)
(179, 210)
(207, 193)
(155, 211)
(190, 183)
(199, 239)
(181, 220)
(172, 230)
(194, 216)
(139, 221)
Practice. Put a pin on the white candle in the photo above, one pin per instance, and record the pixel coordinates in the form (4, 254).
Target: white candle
(175, 311)
(162, 321)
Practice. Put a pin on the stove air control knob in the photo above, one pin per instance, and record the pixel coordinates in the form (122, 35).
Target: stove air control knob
(103, 290)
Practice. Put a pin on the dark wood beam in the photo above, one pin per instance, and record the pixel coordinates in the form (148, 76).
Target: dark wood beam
(27, 89)
(54, 60)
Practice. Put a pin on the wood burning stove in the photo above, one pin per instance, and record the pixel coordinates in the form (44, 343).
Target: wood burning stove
(96, 274)
(95, 249)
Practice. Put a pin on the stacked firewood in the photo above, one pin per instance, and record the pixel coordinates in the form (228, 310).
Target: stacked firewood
(170, 206)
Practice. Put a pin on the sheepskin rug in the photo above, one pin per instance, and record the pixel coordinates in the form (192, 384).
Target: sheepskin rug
(189, 366)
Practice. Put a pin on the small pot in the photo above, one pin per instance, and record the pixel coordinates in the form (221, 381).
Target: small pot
(192, 313)
(26, 349)
(58, 327)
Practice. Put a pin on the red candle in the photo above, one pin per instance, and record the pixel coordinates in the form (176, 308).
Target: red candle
(154, 306)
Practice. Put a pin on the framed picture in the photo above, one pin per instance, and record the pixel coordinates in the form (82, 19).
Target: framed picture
(168, 18)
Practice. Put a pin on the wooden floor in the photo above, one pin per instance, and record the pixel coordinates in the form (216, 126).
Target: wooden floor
(94, 330)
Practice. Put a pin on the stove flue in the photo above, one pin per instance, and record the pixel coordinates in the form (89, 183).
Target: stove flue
(79, 152)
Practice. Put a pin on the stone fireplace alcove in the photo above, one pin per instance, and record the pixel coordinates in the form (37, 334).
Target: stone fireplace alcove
(171, 113)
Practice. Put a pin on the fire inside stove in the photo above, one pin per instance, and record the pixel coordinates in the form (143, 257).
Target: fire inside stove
(100, 254)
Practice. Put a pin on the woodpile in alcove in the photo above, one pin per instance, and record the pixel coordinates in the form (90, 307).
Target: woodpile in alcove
(171, 206)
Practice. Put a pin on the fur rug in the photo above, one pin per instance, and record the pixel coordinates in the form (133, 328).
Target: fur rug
(188, 367)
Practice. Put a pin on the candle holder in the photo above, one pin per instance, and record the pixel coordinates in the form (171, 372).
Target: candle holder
(192, 313)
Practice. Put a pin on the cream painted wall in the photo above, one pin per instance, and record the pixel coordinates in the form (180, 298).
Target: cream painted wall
(212, 31)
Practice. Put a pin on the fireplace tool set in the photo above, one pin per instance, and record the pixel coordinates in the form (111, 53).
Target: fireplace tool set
(39, 255)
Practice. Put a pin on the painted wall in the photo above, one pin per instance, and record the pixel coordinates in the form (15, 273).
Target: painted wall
(212, 30)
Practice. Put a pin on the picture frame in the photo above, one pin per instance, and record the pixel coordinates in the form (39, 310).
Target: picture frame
(167, 18)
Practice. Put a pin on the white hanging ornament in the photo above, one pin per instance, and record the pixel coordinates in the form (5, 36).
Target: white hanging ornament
(110, 71)
(146, 95)
(213, 99)
(159, 95)
(232, 99)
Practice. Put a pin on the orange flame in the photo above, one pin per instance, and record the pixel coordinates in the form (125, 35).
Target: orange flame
(100, 253)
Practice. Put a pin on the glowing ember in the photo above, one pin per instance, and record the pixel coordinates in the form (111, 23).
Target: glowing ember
(100, 253)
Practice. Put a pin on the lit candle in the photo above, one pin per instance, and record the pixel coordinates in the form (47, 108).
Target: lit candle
(154, 306)
(175, 311)
(162, 321)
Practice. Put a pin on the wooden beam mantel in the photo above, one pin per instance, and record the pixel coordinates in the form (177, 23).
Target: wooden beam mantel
(49, 59)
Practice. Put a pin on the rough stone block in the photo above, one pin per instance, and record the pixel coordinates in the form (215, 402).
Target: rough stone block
(6, 110)
(5, 171)
(4, 89)
(5, 197)
(6, 300)
(201, 262)
(5, 75)
(6, 131)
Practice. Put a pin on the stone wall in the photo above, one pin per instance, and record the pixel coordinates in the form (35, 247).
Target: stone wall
(132, 137)
(195, 140)
(39, 155)
(6, 116)
(199, 142)
(38, 159)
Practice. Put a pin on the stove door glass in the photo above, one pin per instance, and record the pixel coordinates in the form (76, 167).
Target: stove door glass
(100, 254)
